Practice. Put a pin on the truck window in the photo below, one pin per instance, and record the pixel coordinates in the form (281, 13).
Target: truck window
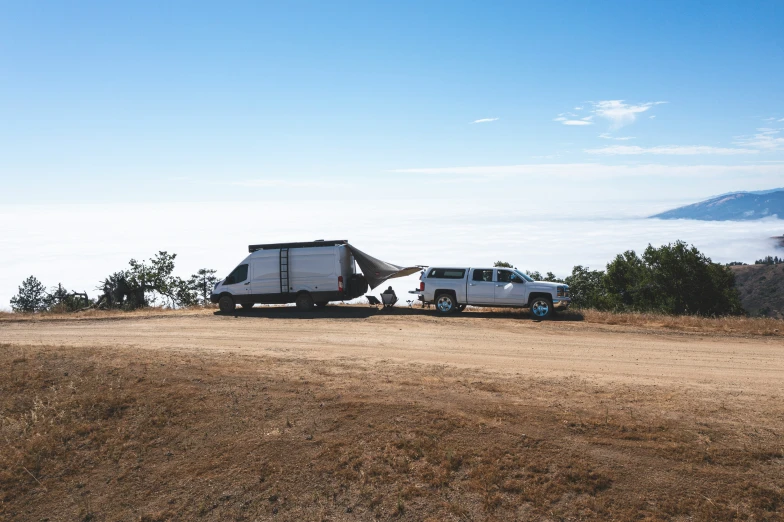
(483, 275)
(447, 273)
(239, 275)
(507, 276)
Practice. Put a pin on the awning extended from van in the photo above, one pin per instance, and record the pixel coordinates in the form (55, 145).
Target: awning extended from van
(377, 271)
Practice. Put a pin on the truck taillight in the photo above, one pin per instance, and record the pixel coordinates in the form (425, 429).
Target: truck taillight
(340, 283)
(422, 286)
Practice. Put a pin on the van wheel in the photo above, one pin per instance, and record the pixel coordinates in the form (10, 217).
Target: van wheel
(542, 308)
(445, 304)
(304, 302)
(321, 305)
(226, 304)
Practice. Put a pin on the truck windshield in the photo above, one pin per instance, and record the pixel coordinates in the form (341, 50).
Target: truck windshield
(525, 277)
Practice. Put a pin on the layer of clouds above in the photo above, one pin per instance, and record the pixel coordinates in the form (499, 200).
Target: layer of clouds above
(765, 139)
(593, 171)
(485, 120)
(673, 150)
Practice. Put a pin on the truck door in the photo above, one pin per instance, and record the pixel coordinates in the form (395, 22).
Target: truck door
(481, 288)
(509, 289)
(238, 284)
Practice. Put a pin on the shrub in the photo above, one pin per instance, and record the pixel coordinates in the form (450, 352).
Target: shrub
(32, 296)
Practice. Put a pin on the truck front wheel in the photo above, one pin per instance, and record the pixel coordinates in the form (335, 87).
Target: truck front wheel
(542, 308)
(445, 304)
(226, 304)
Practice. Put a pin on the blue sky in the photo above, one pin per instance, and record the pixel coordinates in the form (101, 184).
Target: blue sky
(187, 101)
(424, 132)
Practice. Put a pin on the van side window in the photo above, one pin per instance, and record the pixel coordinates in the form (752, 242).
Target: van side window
(239, 275)
(447, 273)
(483, 275)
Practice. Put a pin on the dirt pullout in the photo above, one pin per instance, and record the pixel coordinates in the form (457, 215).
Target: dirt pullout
(344, 417)
(498, 342)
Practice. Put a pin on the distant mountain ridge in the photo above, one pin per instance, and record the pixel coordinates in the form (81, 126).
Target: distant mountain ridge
(735, 206)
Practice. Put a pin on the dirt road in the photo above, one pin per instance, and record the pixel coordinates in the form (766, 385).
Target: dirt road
(356, 414)
(487, 341)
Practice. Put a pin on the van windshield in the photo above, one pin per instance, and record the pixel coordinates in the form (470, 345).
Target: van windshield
(524, 276)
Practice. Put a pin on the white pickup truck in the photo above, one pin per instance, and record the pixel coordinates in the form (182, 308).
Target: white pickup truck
(452, 289)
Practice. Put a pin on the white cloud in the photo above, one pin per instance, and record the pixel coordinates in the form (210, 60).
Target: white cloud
(577, 122)
(765, 139)
(782, 119)
(617, 112)
(677, 150)
(599, 170)
(607, 136)
(284, 183)
(485, 120)
(620, 113)
(652, 117)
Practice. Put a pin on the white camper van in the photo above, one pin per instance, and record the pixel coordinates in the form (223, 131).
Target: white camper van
(308, 274)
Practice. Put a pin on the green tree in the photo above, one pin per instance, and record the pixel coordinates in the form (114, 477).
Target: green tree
(32, 296)
(61, 300)
(673, 279)
(535, 275)
(587, 289)
(202, 283)
(502, 264)
(143, 283)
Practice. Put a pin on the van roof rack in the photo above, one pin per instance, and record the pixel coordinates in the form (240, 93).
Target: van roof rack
(317, 243)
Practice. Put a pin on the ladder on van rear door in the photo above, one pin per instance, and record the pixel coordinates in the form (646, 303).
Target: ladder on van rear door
(284, 270)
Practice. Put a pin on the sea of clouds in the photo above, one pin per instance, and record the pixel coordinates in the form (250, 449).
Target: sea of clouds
(78, 245)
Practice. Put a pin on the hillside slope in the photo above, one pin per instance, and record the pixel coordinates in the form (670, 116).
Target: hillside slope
(761, 289)
(731, 207)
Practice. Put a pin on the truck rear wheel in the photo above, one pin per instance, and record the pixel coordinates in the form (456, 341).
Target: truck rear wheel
(445, 304)
(304, 302)
(226, 304)
(542, 308)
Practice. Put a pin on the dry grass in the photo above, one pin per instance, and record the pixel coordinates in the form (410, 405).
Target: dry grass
(118, 434)
(723, 325)
(105, 314)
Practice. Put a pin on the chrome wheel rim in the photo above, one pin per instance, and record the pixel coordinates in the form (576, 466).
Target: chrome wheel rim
(540, 308)
(444, 303)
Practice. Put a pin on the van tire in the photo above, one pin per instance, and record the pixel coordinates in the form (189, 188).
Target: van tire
(541, 307)
(304, 302)
(446, 303)
(226, 304)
